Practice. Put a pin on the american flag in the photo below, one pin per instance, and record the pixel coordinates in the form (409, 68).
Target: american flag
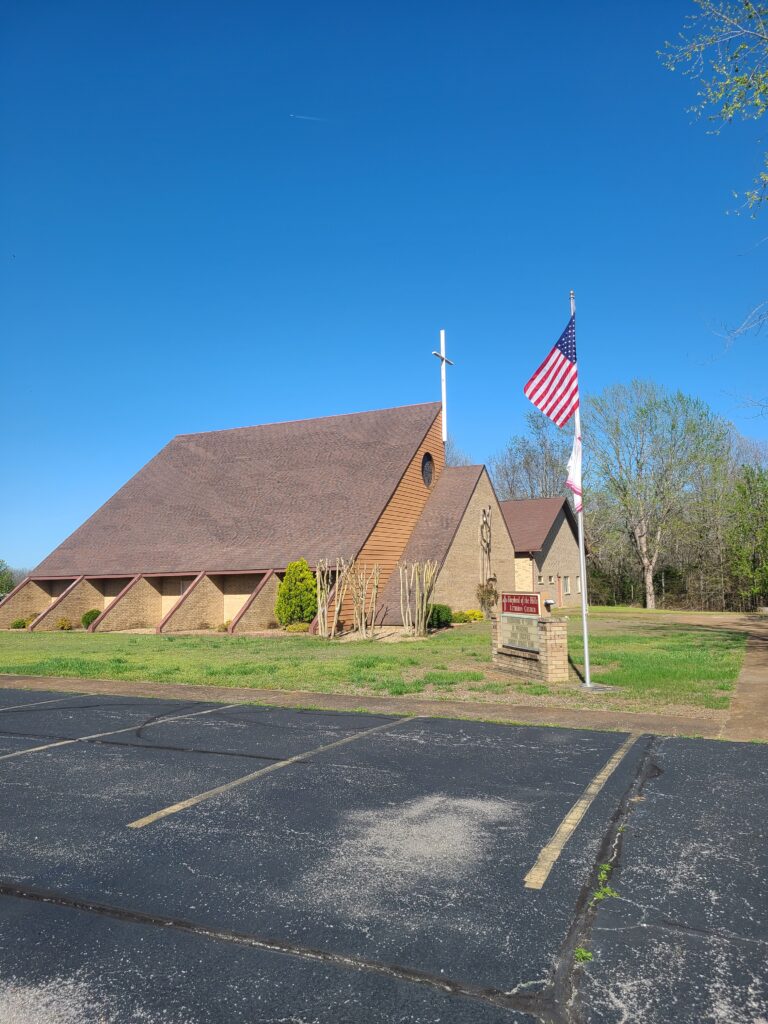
(554, 388)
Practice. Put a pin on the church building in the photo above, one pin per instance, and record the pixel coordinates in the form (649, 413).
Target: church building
(201, 536)
(545, 535)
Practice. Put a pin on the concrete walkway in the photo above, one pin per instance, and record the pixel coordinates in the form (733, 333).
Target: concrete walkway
(748, 719)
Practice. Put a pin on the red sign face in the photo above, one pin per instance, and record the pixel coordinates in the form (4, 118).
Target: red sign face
(520, 604)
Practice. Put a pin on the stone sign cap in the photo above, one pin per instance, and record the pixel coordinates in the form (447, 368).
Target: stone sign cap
(520, 604)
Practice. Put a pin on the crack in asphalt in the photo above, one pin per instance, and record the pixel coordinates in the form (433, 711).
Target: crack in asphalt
(509, 1001)
(552, 1000)
(668, 925)
(564, 992)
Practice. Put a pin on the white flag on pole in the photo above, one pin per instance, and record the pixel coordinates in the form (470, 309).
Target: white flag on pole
(574, 472)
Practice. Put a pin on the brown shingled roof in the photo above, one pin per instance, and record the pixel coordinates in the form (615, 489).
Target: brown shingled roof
(530, 519)
(433, 534)
(250, 498)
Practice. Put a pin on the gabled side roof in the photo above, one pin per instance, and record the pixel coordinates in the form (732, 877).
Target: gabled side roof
(529, 521)
(250, 498)
(433, 534)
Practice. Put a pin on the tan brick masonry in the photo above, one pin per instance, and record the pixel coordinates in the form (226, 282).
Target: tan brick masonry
(84, 596)
(200, 607)
(30, 599)
(140, 607)
(546, 660)
(261, 611)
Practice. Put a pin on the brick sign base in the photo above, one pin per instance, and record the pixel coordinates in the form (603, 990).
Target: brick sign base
(530, 648)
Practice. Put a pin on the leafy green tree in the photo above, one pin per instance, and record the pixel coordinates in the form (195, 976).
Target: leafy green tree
(297, 594)
(6, 578)
(648, 450)
(724, 46)
(749, 535)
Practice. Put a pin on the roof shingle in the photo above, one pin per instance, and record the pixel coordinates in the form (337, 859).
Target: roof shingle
(529, 520)
(250, 498)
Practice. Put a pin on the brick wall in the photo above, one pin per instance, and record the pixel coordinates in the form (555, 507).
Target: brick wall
(81, 598)
(237, 588)
(549, 664)
(200, 607)
(31, 598)
(261, 610)
(559, 557)
(171, 589)
(457, 583)
(140, 607)
(525, 568)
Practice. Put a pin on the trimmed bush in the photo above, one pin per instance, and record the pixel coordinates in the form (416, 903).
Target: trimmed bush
(64, 623)
(440, 616)
(19, 624)
(90, 616)
(297, 627)
(297, 594)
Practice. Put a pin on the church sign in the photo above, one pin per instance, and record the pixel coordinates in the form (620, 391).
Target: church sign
(520, 604)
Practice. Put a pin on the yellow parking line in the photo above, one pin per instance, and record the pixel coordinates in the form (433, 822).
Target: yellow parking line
(114, 732)
(546, 860)
(208, 794)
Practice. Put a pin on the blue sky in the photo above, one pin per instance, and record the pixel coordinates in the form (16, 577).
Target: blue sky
(179, 253)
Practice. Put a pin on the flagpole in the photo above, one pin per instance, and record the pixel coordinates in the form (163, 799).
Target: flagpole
(587, 684)
(443, 387)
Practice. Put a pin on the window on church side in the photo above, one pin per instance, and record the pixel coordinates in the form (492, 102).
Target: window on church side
(427, 469)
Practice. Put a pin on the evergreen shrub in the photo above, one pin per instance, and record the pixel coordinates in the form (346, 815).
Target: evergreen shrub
(19, 624)
(64, 623)
(297, 627)
(90, 616)
(297, 594)
(440, 616)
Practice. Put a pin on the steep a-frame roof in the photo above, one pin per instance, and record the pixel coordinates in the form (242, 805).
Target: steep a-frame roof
(529, 521)
(250, 498)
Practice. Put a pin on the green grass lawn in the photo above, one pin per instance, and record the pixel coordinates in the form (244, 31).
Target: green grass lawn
(673, 664)
(444, 661)
(650, 665)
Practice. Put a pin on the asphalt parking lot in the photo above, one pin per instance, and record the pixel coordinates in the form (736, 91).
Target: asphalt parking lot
(177, 863)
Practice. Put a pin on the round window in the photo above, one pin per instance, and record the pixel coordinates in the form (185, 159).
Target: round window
(427, 470)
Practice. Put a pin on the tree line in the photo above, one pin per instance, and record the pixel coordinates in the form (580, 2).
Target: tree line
(675, 499)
